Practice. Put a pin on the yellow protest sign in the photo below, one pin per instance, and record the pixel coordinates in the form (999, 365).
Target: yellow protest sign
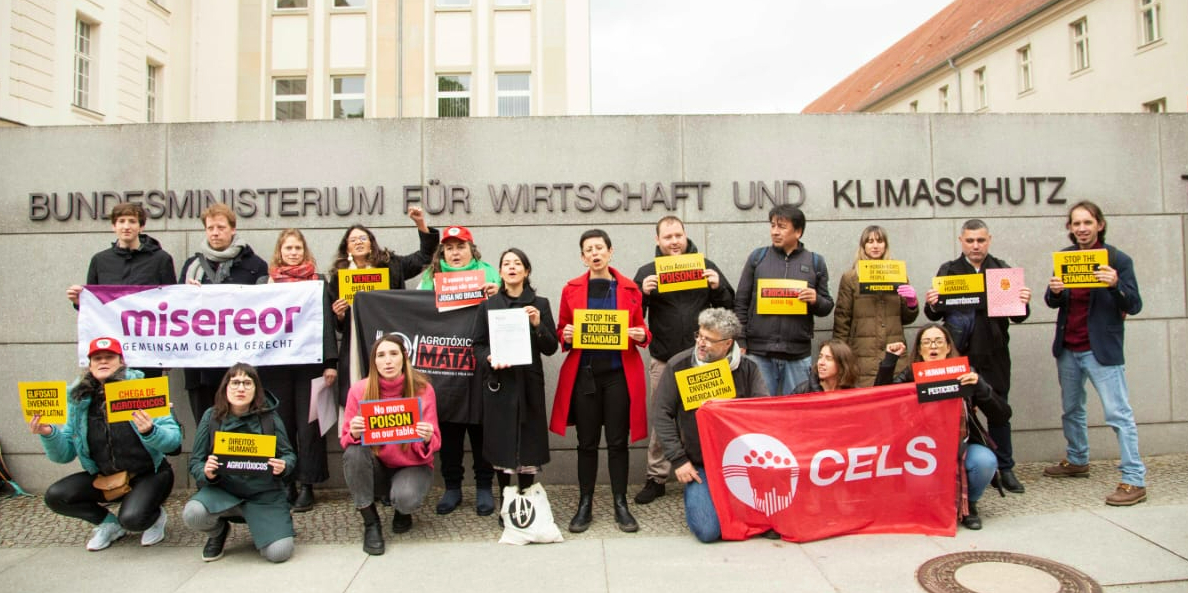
(600, 329)
(961, 290)
(244, 444)
(698, 385)
(47, 398)
(125, 397)
(680, 272)
(1076, 268)
(778, 296)
(361, 280)
(881, 276)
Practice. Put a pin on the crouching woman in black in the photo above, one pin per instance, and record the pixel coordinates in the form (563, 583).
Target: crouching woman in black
(933, 342)
(259, 499)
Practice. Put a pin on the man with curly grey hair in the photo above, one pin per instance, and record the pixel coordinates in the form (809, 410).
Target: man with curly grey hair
(676, 426)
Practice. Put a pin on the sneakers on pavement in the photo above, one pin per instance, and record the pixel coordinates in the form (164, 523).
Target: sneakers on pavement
(213, 550)
(1064, 469)
(650, 492)
(153, 535)
(104, 534)
(1126, 495)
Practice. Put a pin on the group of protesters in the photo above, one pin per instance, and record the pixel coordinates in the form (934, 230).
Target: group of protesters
(601, 392)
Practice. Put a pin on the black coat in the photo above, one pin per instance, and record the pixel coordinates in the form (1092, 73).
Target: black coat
(672, 316)
(146, 266)
(515, 419)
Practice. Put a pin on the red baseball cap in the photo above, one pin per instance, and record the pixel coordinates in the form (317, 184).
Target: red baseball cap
(460, 233)
(105, 345)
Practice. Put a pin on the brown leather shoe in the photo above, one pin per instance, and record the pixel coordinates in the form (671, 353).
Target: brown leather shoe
(1126, 495)
(1064, 469)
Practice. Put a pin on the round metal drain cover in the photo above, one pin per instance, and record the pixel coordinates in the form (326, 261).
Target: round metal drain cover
(939, 575)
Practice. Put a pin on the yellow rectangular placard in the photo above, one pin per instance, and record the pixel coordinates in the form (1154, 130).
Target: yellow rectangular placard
(881, 276)
(698, 385)
(244, 444)
(47, 398)
(361, 280)
(600, 329)
(778, 296)
(680, 272)
(1076, 268)
(125, 397)
(961, 290)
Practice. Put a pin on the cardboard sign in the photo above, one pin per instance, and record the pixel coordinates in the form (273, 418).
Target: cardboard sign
(1076, 268)
(881, 276)
(47, 398)
(698, 385)
(456, 290)
(937, 379)
(962, 290)
(244, 453)
(390, 421)
(125, 397)
(1003, 289)
(600, 329)
(680, 272)
(361, 280)
(777, 296)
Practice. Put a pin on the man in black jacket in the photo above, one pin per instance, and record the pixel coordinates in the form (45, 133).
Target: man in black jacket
(672, 317)
(982, 338)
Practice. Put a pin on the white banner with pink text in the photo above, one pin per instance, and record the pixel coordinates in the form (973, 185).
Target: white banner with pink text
(213, 325)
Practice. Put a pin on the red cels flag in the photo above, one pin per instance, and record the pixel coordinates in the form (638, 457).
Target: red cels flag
(814, 466)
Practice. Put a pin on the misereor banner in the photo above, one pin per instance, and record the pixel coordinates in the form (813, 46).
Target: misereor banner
(213, 325)
(867, 460)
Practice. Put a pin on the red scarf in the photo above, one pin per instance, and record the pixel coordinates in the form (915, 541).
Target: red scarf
(298, 273)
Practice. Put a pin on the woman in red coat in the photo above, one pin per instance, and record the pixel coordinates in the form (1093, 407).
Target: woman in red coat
(602, 388)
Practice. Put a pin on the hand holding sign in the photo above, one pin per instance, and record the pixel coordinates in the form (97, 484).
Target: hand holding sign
(143, 422)
(277, 465)
(36, 427)
(211, 468)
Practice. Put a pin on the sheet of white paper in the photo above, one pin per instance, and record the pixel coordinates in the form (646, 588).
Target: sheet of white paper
(511, 341)
(323, 405)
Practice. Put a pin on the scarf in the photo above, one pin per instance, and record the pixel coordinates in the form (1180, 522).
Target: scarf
(297, 273)
(735, 356)
(222, 260)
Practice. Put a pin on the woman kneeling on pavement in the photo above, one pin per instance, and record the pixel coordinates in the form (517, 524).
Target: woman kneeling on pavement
(406, 469)
(933, 342)
(122, 461)
(259, 499)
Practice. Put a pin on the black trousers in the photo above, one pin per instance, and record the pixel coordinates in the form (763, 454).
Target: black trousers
(601, 401)
(76, 496)
(998, 374)
(453, 435)
(290, 384)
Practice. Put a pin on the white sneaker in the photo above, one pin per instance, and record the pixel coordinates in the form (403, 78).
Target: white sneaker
(153, 535)
(104, 534)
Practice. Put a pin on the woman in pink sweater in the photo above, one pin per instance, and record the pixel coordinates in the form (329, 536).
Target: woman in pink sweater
(406, 467)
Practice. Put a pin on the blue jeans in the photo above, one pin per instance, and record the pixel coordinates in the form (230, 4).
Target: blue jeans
(700, 515)
(980, 465)
(1110, 383)
(782, 376)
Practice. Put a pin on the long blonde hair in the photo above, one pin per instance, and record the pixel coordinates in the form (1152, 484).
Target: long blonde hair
(872, 231)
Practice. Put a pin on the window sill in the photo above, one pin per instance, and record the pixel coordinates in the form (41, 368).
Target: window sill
(1146, 47)
(526, 7)
(87, 113)
(164, 11)
(453, 8)
(1026, 93)
(1079, 73)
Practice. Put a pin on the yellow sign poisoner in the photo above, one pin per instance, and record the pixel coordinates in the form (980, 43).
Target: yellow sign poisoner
(243, 444)
(1076, 268)
(600, 329)
(361, 280)
(779, 296)
(698, 385)
(680, 272)
(47, 398)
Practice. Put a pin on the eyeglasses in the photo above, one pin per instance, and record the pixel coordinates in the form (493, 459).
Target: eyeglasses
(237, 383)
(934, 343)
(697, 337)
(359, 240)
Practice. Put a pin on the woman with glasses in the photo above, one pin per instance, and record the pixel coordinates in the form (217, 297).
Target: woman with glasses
(602, 389)
(229, 494)
(836, 368)
(933, 342)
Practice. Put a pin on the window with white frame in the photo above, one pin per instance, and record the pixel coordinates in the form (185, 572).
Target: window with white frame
(1149, 30)
(350, 3)
(152, 75)
(980, 93)
(1079, 31)
(347, 96)
(513, 2)
(452, 3)
(1024, 56)
(83, 58)
(1156, 106)
(942, 99)
(453, 95)
(513, 93)
(291, 4)
(288, 98)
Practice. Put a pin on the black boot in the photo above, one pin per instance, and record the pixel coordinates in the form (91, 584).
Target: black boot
(581, 519)
(213, 550)
(373, 531)
(305, 499)
(401, 523)
(623, 516)
(972, 520)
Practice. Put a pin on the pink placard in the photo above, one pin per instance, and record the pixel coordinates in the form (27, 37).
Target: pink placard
(1003, 286)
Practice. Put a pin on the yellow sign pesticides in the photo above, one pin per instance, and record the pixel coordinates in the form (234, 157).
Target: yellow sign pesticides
(600, 329)
(47, 398)
(361, 280)
(680, 272)
(125, 397)
(778, 296)
(880, 276)
(244, 453)
(962, 290)
(698, 385)
(1076, 268)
